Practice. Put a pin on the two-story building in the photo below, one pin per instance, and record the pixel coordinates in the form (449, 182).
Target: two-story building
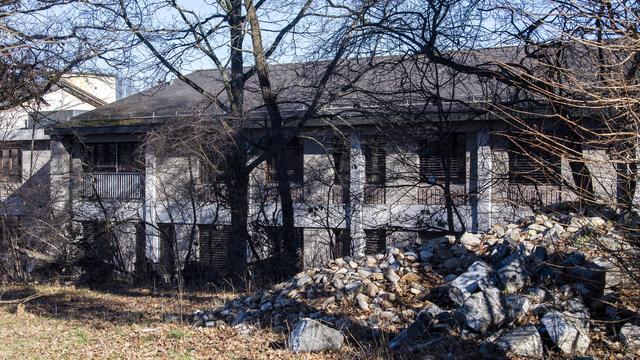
(361, 177)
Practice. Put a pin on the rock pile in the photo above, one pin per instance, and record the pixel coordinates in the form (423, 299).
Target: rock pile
(523, 288)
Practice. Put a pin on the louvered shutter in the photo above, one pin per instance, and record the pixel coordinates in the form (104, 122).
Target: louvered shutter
(214, 242)
(375, 241)
(375, 161)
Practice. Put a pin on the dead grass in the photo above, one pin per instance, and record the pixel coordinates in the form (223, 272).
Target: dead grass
(72, 323)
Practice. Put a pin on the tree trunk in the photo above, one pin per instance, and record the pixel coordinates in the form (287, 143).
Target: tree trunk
(238, 199)
(275, 146)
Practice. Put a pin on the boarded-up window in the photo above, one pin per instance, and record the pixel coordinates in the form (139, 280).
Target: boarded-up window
(113, 157)
(530, 163)
(213, 244)
(11, 164)
(436, 152)
(375, 166)
(376, 241)
(293, 153)
(167, 245)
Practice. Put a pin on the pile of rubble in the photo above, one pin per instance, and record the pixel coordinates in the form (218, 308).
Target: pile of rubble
(523, 288)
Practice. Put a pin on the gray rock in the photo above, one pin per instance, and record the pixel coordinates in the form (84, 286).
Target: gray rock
(391, 276)
(537, 295)
(522, 341)
(469, 240)
(517, 306)
(513, 273)
(353, 288)
(417, 335)
(372, 289)
(452, 263)
(468, 282)
(482, 310)
(363, 302)
(570, 332)
(630, 335)
(305, 279)
(310, 336)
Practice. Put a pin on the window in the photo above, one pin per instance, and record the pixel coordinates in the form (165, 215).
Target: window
(214, 247)
(293, 153)
(113, 157)
(341, 160)
(529, 163)
(11, 164)
(376, 241)
(375, 160)
(434, 152)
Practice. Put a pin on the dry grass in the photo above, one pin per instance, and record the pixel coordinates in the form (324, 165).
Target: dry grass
(71, 323)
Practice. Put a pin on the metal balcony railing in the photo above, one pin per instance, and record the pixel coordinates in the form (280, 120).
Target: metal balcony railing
(533, 195)
(112, 186)
(434, 195)
(375, 194)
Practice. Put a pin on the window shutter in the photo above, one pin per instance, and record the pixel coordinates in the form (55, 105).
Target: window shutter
(375, 161)
(214, 247)
(532, 165)
(375, 241)
(431, 158)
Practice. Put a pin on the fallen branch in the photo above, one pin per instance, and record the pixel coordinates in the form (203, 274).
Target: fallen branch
(22, 300)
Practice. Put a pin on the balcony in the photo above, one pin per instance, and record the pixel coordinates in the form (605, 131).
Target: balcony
(112, 186)
(529, 195)
(434, 195)
(375, 194)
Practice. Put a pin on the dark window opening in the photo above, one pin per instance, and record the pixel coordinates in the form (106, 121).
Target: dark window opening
(530, 163)
(211, 183)
(375, 160)
(11, 164)
(113, 157)
(342, 246)
(167, 246)
(140, 265)
(435, 153)
(293, 153)
(376, 241)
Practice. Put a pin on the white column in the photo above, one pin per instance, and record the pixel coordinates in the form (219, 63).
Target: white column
(484, 181)
(353, 211)
(60, 178)
(151, 226)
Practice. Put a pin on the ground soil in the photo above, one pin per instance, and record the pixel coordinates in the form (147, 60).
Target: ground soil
(72, 323)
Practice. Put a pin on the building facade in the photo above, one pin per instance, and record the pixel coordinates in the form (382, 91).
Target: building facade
(357, 184)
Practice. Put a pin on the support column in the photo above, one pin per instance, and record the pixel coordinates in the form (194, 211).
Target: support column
(484, 182)
(60, 175)
(151, 227)
(354, 207)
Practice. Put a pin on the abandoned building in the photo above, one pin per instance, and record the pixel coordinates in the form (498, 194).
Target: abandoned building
(355, 188)
(25, 154)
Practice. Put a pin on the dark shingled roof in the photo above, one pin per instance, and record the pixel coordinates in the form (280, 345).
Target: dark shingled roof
(359, 85)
